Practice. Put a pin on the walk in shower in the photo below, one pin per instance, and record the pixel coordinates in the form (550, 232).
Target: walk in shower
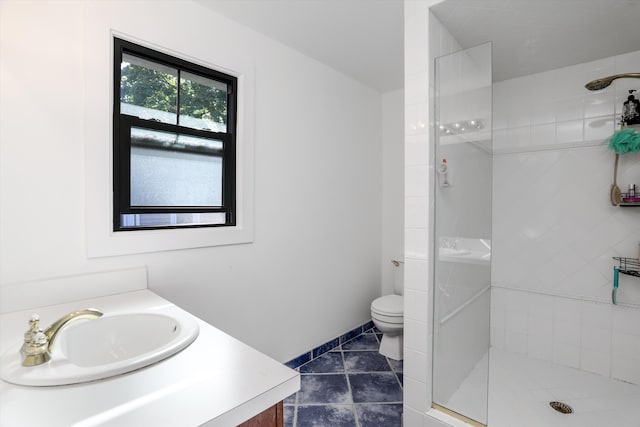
(524, 329)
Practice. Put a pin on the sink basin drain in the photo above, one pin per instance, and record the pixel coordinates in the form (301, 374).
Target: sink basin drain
(563, 408)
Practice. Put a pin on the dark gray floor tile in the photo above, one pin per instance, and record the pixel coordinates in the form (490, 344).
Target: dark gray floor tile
(375, 387)
(365, 361)
(351, 372)
(326, 416)
(289, 412)
(396, 365)
(362, 342)
(379, 415)
(290, 400)
(328, 388)
(327, 363)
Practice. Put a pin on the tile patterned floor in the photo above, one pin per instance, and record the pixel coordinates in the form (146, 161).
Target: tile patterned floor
(350, 386)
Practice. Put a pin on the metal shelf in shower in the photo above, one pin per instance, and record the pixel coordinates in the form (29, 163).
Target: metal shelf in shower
(628, 266)
(629, 200)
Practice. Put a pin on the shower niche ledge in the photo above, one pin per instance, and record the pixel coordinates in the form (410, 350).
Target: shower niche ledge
(464, 250)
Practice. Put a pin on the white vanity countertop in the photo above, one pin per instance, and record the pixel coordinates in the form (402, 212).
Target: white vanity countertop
(216, 381)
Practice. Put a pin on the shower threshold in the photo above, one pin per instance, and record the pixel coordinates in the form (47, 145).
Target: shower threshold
(456, 416)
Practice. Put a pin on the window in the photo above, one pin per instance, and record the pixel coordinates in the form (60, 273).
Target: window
(174, 130)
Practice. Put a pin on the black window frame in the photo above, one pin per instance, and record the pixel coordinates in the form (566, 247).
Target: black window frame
(123, 123)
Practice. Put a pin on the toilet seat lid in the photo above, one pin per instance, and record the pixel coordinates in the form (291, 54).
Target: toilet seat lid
(391, 305)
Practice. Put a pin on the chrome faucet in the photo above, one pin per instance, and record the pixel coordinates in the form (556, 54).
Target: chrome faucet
(37, 345)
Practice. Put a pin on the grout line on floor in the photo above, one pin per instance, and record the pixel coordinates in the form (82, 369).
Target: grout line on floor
(354, 406)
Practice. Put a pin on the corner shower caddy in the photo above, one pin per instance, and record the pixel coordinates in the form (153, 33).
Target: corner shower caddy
(629, 266)
(628, 196)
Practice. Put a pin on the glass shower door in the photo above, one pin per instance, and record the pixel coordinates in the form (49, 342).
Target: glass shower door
(462, 231)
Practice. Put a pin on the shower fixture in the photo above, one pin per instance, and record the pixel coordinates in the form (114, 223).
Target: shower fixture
(604, 82)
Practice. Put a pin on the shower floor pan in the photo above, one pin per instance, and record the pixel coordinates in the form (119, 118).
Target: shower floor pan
(520, 390)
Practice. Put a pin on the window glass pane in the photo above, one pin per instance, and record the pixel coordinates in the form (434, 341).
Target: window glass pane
(173, 141)
(169, 169)
(169, 219)
(203, 103)
(148, 90)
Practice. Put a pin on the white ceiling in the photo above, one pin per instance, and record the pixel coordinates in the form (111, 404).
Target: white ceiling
(364, 38)
(360, 38)
(531, 36)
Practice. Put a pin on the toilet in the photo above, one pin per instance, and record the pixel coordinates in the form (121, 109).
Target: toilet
(387, 313)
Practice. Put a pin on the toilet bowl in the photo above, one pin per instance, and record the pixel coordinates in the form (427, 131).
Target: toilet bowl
(387, 313)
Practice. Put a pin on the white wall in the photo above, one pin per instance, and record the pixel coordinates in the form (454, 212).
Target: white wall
(555, 230)
(314, 265)
(392, 189)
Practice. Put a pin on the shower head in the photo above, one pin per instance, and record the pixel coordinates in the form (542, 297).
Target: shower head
(606, 81)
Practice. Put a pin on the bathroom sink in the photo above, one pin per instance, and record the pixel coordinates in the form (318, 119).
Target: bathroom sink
(89, 350)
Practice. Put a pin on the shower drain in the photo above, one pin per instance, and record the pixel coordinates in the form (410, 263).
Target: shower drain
(563, 408)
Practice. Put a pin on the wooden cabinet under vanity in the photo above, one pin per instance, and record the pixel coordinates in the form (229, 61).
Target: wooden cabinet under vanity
(270, 417)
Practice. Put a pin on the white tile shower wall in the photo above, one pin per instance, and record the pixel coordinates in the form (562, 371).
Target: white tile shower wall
(588, 335)
(554, 229)
(461, 348)
(625, 345)
(553, 107)
(425, 38)
(417, 391)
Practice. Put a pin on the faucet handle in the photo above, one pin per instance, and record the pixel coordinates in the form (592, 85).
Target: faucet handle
(34, 334)
(35, 349)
